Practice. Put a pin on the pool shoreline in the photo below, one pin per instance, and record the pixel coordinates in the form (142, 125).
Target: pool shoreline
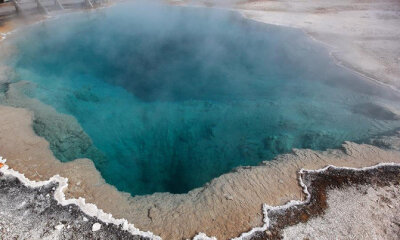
(349, 32)
(158, 210)
(231, 194)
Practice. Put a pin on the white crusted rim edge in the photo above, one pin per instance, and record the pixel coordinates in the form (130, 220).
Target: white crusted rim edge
(88, 208)
(92, 210)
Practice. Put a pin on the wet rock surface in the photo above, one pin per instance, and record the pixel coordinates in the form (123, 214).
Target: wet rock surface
(33, 213)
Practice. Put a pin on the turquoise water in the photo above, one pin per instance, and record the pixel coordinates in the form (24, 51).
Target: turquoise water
(173, 97)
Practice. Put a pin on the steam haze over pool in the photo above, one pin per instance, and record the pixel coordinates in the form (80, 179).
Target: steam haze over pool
(172, 97)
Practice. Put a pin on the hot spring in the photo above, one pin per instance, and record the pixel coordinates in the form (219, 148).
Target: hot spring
(170, 97)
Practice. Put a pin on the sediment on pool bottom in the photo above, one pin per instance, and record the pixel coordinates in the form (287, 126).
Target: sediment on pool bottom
(66, 137)
(225, 207)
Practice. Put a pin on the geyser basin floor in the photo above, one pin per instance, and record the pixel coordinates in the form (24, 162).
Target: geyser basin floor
(172, 97)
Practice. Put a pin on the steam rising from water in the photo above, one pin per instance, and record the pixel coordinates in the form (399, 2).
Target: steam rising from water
(174, 97)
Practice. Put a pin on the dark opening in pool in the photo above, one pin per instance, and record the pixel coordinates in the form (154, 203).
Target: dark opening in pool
(172, 97)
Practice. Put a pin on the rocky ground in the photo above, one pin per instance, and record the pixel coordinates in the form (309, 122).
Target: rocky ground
(341, 204)
(34, 213)
(358, 212)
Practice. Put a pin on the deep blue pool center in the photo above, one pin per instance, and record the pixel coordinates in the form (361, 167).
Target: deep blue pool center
(172, 97)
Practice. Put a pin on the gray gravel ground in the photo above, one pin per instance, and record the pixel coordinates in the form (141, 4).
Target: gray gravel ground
(33, 213)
